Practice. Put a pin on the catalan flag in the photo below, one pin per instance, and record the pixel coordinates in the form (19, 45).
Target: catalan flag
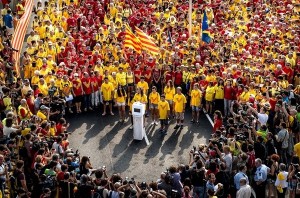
(147, 42)
(205, 32)
(131, 41)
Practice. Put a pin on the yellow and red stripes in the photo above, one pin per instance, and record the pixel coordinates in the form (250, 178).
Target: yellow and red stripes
(147, 42)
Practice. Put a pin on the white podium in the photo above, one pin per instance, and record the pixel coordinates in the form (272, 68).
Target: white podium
(138, 112)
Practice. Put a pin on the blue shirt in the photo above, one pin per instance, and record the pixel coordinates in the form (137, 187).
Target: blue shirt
(237, 179)
(261, 173)
(8, 20)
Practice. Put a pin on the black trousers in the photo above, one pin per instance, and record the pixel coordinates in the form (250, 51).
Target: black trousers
(260, 190)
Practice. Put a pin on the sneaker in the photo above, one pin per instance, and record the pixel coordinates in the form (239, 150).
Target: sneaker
(176, 127)
(103, 114)
(156, 123)
(85, 109)
(152, 123)
(131, 127)
(120, 120)
(111, 113)
(197, 122)
(192, 121)
(91, 109)
(70, 110)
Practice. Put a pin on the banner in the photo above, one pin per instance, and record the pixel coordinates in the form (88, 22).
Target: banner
(20, 32)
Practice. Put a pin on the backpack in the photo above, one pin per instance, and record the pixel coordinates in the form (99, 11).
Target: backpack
(251, 160)
(98, 193)
(50, 183)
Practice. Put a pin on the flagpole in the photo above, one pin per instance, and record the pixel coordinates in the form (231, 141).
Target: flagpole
(190, 17)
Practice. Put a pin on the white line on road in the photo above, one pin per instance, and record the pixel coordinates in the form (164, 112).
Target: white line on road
(208, 117)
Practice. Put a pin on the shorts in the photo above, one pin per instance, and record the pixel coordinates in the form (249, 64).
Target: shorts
(107, 102)
(119, 104)
(78, 99)
(170, 102)
(163, 122)
(195, 108)
(179, 115)
(153, 106)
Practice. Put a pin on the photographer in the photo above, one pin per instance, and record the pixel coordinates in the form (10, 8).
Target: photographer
(57, 107)
(282, 142)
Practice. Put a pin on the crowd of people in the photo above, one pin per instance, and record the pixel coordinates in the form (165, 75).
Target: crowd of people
(247, 78)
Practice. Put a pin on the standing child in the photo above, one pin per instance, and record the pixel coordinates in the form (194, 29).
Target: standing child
(163, 110)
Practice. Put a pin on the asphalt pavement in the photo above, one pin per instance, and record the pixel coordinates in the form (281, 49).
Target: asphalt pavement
(110, 143)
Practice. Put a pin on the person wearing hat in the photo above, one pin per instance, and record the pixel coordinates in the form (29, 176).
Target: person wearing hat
(43, 113)
(24, 111)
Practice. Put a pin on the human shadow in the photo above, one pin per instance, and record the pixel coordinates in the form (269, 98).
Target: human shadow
(123, 163)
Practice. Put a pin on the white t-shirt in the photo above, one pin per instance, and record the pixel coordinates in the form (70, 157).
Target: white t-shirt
(262, 118)
(8, 130)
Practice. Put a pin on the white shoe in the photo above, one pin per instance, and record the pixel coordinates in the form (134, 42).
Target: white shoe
(152, 123)
(156, 123)
(131, 127)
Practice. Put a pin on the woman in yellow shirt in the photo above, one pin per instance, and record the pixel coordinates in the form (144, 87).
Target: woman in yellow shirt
(219, 96)
(169, 92)
(120, 101)
(196, 98)
(129, 80)
(209, 97)
(154, 98)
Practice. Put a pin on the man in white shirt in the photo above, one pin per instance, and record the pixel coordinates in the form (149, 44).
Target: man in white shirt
(245, 189)
(225, 157)
(261, 115)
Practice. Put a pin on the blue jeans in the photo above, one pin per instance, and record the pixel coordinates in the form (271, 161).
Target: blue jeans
(87, 101)
(198, 192)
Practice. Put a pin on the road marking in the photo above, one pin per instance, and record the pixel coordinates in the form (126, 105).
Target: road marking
(208, 117)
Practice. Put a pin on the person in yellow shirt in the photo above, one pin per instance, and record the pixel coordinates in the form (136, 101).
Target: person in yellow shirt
(169, 92)
(140, 96)
(143, 85)
(163, 111)
(244, 97)
(154, 98)
(209, 97)
(120, 101)
(297, 149)
(107, 91)
(43, 87)
(121, 77)
(219, 96)
(196, 98)
(179, 103)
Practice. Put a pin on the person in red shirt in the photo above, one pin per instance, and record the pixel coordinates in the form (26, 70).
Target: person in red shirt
(87, 88)
(77, 92)
(71, 21)
(168, 75)
(95, 90)
(218, 120)
(178, 77)
(228, 97)
(137, 74)
(147, 73)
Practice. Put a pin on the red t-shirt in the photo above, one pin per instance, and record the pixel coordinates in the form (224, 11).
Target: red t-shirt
(178, 78)
(94, 84)
(228, 93)
(169, 75)
(137, 76)
(217, 124)
(77, 87)
(86, 88)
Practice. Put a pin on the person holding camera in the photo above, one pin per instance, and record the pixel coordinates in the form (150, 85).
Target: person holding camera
(24, 111)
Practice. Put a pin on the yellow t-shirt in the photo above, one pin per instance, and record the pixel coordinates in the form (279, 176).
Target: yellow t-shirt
(209, 95)
(219, 92)
(154, 98)
(140, 98)
(163, 108)
(41, 115)
(196, 96)
(107, 89)
(121, 78)
(169, 93)
(244, 97)
(121, 98)
(179, 103)
(144, 86)
(297, 149)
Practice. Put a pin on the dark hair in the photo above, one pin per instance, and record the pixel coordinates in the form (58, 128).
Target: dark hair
(20, 164)
(121, 92)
